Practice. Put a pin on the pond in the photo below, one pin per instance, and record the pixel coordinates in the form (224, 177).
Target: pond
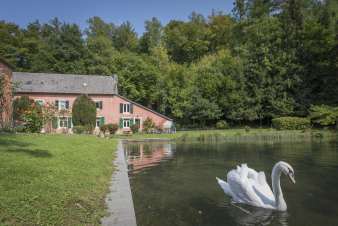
(173, 183)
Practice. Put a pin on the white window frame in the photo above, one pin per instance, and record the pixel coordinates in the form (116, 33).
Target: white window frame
(126, 107)
(65, 105)
(126, 123)
(64, 127)
(98, 120)
(59, 122)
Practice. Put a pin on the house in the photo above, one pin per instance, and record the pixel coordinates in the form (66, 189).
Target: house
(61, 90)
(6, 101)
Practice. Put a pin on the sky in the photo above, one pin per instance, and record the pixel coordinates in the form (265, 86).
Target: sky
(22, 12)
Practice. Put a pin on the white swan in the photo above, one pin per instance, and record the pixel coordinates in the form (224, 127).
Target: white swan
(245, 185)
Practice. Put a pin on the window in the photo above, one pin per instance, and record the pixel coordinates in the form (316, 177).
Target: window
(62, 104)
(126, 123)
(126, 108)
(63, 122)
(98, 104)
(99, 121)
(40, 102)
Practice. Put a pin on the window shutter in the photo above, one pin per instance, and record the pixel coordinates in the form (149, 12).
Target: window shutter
(101, 104)
(57, 104)
(69, 122)
(131, 122)
(121, 108)
(121, 123)
(55, 123)
(67, 104)
(101, 121)
(131, 108)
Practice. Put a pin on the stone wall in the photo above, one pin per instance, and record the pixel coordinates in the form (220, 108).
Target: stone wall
(6, 100)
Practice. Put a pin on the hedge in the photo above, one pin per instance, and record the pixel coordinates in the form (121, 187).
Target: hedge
(291, 123)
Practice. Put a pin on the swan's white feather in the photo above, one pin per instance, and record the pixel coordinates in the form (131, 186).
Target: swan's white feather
(245, 185)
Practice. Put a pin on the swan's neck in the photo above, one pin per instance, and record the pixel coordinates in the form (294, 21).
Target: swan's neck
(276, 188)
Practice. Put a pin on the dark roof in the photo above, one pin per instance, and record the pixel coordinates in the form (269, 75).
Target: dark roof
(64, 83)
(141, 106)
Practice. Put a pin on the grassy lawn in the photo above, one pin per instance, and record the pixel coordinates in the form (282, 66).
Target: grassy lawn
(240, 134)
(54, 179)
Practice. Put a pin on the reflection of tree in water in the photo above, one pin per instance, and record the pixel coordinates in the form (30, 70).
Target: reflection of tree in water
(142, 155)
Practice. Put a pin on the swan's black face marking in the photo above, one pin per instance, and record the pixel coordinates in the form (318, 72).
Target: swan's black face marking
(291, 175)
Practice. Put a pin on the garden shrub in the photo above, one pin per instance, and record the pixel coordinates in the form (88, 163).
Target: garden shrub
(28, 114)
(104, 128)
(84, 112)
(291, 123)
(222, 124)
(247, 129)
(324, 115)
(148, 125)
(20, 106)
(82, 129)
(112, 128)
(134, 128)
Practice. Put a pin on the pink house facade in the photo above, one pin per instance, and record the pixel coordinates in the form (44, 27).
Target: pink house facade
(61, 90)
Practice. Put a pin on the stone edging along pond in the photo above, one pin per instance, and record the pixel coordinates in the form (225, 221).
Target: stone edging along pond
(119, 200)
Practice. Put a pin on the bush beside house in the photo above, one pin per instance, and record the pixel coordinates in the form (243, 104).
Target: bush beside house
(27, 114)
(111, 128)
(84, 113)
(148, 125)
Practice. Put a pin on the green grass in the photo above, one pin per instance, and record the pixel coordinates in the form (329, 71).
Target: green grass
(239, 135)
(54, 179)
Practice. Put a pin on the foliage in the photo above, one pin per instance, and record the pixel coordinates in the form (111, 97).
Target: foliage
(148, 125)
(32, 120)
(111, 128)
(291, 123)
(27, 113)
(222, 124)
(324, 115)
(48, 113)
(135, 128)
(20, 106)
(268, 59)
(82, 129)
(84, 112)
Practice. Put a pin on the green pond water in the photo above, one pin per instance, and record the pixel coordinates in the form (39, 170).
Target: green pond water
(173, 184)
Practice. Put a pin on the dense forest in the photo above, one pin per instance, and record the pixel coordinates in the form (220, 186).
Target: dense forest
(267, 58)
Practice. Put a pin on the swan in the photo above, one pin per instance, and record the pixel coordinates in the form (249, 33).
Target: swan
(245, 185)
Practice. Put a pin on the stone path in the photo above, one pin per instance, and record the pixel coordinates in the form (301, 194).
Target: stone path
(119, 201)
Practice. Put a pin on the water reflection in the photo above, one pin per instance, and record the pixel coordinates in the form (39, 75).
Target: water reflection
(183, 191)
(142, 155)
(246, 215)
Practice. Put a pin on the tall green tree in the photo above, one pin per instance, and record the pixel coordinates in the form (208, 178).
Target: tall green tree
(152, 35)
(125, 37)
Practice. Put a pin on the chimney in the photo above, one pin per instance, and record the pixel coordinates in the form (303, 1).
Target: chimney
(6, 94)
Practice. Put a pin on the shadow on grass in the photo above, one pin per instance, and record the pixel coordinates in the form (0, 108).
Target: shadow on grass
(32, 152)
(11, 142)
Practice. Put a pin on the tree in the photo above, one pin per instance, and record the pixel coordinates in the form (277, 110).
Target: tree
(187, 41)
(137, 77)
(84, 112)
(125, 37)
(99, 47)
(152, 36)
